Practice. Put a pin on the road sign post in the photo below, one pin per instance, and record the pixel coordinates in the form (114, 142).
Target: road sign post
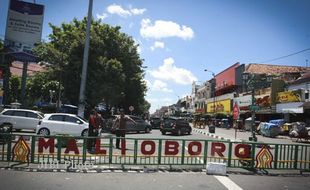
(131, 108)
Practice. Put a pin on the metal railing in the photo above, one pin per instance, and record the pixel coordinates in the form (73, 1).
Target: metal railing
(150, 151)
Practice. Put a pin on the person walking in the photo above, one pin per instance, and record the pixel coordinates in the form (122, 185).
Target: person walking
(120, 127)
(93, 127)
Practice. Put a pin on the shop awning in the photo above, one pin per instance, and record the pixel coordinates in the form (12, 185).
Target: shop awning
(306, 105)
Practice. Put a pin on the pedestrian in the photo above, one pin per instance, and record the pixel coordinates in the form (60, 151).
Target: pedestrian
(120, 127)
(93, 128)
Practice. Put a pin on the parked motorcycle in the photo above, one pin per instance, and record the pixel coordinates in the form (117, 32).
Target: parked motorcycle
(299, 131)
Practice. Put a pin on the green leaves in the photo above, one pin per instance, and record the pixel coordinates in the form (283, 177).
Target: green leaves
(114, 66)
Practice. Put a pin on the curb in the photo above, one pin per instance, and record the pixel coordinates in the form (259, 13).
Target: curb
(228, 139)
(216, 136)
(159, 170)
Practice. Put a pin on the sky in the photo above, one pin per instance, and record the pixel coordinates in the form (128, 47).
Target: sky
(179, 39)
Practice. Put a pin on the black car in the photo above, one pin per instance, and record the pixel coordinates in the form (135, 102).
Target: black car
(175, 126)
(155, 122)
(139, 126)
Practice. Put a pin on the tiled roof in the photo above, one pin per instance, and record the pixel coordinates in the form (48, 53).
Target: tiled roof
(304, 78)
(17, 68)
(273, 69)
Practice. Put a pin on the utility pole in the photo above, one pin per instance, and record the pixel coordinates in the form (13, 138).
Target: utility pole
(81, 108)
(253, 138)
(24, 79)
(253, 84)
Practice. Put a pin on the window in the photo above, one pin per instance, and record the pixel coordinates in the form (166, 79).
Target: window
(71, 119)
(32, 115)
(20, 113)
(56, 118)
(9, 112)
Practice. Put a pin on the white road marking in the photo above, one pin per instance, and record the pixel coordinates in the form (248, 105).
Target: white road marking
(228, 183)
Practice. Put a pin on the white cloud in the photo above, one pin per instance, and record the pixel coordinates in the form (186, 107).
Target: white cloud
(103, 16)
(158, 44)
(160, 86)
(136, 11)
(169, 72)
(164, 101)
(117, 9)
(157, 103)
(157, 86)
(120, 11)
(164, 29)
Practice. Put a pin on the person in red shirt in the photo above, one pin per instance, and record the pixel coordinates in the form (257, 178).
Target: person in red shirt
(93, 128)
(120, 126)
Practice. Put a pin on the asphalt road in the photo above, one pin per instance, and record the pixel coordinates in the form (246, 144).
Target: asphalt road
(140, 181)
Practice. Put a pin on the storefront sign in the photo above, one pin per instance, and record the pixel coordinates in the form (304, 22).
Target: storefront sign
(243, 102)
(263, 101)
(223, 106)
(201, 110)
(292, 107)
(289, 96)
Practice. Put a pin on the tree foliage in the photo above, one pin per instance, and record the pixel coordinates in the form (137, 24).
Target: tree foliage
(15, 88)
(115, 72)
(39, 87)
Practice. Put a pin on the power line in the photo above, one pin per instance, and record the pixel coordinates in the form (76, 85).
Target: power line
(285, 56)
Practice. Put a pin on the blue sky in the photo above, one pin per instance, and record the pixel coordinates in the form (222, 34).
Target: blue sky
(180, 38)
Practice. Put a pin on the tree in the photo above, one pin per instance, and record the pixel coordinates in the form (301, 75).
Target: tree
(15, 88)
(114, 66)
(39, 85)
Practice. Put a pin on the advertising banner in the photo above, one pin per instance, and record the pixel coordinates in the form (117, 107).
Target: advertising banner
(243, 102)
(223, 106)
(24, 25)
(289, 96)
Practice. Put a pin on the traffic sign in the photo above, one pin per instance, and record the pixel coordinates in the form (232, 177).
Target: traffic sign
(131, 108)
(254, 107)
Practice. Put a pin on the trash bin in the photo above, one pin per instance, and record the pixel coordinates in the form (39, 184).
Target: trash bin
(5, 130)
(212, 129)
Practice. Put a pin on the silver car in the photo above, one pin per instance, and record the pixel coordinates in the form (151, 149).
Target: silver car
(20, 119)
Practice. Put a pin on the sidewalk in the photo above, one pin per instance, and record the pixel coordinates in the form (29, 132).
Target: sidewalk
(236, 135)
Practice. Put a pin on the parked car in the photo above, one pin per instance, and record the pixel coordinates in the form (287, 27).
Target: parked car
(139, 126)
(155, 122)
(20, 119)
(62, 124)
(175, 126)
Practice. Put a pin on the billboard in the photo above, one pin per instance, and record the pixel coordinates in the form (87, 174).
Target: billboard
(24, 25)
(223, 106)
(243, 102)
(289, 96)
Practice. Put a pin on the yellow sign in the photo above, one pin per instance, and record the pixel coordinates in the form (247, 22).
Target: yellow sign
(289, 96)
(223, 106)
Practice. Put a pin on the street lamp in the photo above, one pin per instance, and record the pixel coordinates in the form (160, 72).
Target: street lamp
(51, 95)
(214, 84)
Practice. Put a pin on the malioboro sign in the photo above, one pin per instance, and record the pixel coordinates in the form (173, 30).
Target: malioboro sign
(43, 150)
(149, 147)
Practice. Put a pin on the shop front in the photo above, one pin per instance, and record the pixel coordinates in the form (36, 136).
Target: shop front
(290, 104)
